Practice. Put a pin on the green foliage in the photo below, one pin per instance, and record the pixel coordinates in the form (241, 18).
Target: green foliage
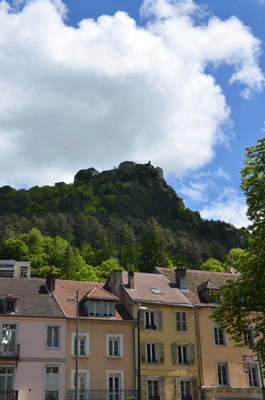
(212, 265)
(105, 268)
(153, 247)
(16, 249)
(243, 301)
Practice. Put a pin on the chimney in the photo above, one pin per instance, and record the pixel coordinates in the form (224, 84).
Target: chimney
(50, 280)
(115, 282)
(131, 280)
(181, 277)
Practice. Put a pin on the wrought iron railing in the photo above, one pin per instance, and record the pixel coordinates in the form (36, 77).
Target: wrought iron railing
(102, 394)
(8, 394)
(9, 351)
(51, 395)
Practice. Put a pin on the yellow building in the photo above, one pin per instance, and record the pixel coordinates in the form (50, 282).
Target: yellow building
(221, 369)
(168, 351)
(106, 342)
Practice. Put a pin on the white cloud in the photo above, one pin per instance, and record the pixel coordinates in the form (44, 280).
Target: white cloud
(228, 207)
(108, 90)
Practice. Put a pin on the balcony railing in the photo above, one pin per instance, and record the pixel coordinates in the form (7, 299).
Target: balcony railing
(101, 394)
(51, 395)
(8, 394)
(9, 351)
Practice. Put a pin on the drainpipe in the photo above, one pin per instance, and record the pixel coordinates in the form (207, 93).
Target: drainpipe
(198, 350)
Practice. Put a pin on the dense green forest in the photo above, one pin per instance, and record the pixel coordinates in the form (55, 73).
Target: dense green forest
(107, 216)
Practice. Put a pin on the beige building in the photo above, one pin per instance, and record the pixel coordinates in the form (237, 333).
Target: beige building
(14, 269)
(168, 350)
(221, 370)
(106, 342)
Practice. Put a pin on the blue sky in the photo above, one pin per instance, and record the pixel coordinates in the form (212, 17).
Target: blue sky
(95, 83)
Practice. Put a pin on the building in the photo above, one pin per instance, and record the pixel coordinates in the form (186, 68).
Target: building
(32, 349)
(168, 346)
(106, 342)
(221, 370)
(14, 269)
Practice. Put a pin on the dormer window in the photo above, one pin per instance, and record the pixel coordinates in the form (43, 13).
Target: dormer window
(100, 308)
(208, 292)
(94, 308)
(11, 305)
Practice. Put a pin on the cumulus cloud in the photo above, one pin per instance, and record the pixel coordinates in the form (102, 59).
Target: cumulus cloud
(110, 90)
(229, 207)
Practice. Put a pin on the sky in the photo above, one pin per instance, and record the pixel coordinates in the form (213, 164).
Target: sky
(93, 83)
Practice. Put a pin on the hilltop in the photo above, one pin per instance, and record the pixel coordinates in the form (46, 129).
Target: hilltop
(109, 209)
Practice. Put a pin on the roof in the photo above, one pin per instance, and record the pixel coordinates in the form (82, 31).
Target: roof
(33, 299)
(99, 293)
(143, 282)
(66, 289)
(203, 279)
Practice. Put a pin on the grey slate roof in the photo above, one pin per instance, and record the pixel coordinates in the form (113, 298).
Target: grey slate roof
(33, 299)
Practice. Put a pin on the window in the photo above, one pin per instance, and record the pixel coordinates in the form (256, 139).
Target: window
(52, 337)
(155, 290)
(11, 305)
(222, 372)
(185, 389)
(183, 354)
(219, 336)
(114, 345)
(83, 345)
(249, 336)
(115, 384)
(83, 383)
(23, 272)
(181, 321)
(153, 389)
(150, 320)
(151, 353)
(253, 376)
(6, 378)
(101, 309)
(52, 382)
(94, 308)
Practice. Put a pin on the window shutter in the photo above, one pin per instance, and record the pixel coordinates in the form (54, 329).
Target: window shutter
(161, 354)
(191, 354)
(178, 392)
(144, 389)
(142, 351)
(142, 320)
(195, 394)
(174, 353)
(162, 389)
(159, 320)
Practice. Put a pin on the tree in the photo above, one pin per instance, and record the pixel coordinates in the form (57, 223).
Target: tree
(153, 247)
(243, 301)
(212, 265)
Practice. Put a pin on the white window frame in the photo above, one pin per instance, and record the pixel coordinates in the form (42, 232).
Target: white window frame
(80, 336)
(186, 345)
(112, 336)
(14, 307)
(215, 326)
(150, 343)
(110, 306)
(222, 363)
(257, 375)
(59, 337)
(253, 339)
(59, 376)
(80, 371)
(13, 329)
(154, 378)
(186, 380)
(13, 375)
(115, 373)
(181, 321)
(155, 321)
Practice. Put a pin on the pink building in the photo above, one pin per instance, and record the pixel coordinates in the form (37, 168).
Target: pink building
(33, 336)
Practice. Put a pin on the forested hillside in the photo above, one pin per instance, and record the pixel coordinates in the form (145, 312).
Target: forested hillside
(106, 214)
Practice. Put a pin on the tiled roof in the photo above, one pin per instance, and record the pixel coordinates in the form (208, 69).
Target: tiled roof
(66, 289)
(142, 289)
(99, 293)
(197, 278)
(32, 297)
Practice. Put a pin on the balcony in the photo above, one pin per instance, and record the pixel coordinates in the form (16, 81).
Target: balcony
(51, 395)
(101, 394)
(8, 394)
(9, 351)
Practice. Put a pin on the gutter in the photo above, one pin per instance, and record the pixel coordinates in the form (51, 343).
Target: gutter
(198, 351)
